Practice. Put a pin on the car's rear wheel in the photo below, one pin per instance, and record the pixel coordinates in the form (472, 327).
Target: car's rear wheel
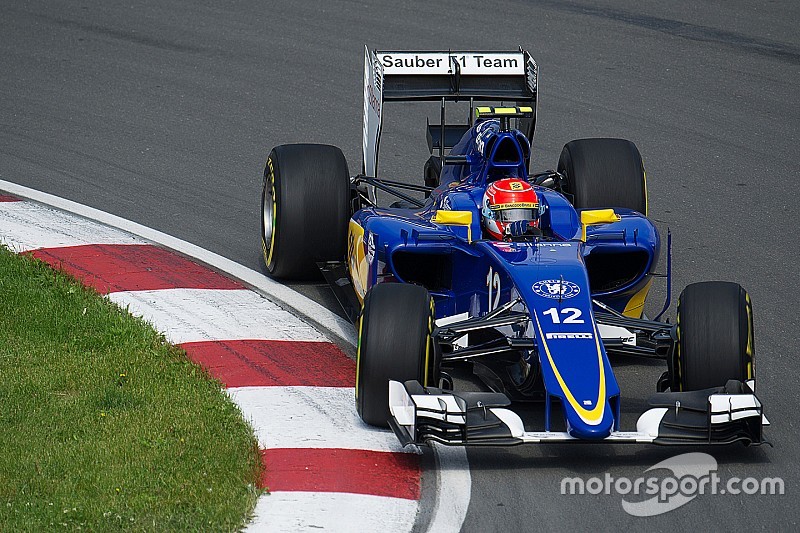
(394, 343)
(604, 173)
(715, 336)
(305, 207)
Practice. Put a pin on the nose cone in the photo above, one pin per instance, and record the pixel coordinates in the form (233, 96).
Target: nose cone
(579, 429)
(575, 368)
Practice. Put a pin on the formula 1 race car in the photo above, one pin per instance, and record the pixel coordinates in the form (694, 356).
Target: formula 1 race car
(528, 282)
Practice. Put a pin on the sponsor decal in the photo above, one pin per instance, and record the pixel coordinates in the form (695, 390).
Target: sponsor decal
(356, 257)
(556, 289)
(370, 248)
(504, 246)
(492, 63)
(550, 336)
(374, 101)
(514, 205)
(505, 62)
(373, 97)
(413, 61)
(562, 244)
(446, 204)
(484, 131)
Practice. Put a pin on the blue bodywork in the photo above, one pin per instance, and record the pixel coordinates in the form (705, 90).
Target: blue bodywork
(555, 277)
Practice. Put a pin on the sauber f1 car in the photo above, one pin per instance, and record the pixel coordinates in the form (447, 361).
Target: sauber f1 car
(531, 308)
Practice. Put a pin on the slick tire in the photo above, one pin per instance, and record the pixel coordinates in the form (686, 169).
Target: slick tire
(305, 208)
(715, 337)
(604, 173)
(394, 342)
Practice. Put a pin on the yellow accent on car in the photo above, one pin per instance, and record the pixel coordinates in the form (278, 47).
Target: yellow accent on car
(597, 216)
(358, 351)
(484, 111)
(635, 305)
(646, 200)
(455, 218)
(356, 259)
(428, 342)
(590, 416)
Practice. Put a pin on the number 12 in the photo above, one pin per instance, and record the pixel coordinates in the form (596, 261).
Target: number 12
(573, 318)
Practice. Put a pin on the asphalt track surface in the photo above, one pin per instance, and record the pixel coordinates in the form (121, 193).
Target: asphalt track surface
(163, 113)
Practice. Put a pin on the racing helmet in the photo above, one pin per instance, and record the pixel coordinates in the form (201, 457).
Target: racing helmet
(506, 204)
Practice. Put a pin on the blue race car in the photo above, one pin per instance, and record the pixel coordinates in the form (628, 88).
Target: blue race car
(525, 283)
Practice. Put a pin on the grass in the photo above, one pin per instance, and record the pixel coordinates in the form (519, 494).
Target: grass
(103, 424)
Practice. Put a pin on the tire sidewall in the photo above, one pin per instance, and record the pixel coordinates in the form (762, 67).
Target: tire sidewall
(394, 343)
(712, 310)
(604, 173)
(310, 188)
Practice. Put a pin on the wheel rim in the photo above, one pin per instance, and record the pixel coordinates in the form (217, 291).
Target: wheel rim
(268, 218)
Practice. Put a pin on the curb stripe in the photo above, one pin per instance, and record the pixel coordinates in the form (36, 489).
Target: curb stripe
(396, 475)
(28, 226)
(253, 363)
(131, 267)
(8, 198)
(310, 417)
(190, 315)
(332, 512)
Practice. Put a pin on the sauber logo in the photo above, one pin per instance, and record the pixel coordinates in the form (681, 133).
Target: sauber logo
(470, 63)
(413, 61)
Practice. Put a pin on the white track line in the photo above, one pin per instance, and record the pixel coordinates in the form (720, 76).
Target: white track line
(309, 417)
(454, 480)
(364, 513)
(454, 484)
(191, 315)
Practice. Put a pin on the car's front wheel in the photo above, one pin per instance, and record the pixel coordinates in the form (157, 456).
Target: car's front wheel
(715, 337)
(394, 343)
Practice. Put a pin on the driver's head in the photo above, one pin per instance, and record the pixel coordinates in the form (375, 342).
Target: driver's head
(507, 201)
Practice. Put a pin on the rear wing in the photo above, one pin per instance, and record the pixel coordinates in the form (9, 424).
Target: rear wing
(447, 76)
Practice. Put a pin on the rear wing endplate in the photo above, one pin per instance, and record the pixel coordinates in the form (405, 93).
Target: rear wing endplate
(446, 76)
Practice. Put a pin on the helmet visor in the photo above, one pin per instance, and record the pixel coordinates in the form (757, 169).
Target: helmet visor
(511, 215)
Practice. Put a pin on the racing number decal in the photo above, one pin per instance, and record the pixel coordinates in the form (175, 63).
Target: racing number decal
(493, 284)
(573, 318)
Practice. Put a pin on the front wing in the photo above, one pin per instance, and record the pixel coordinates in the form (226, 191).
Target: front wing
(723, 415)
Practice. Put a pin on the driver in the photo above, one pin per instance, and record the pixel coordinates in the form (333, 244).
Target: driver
(510, 209)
